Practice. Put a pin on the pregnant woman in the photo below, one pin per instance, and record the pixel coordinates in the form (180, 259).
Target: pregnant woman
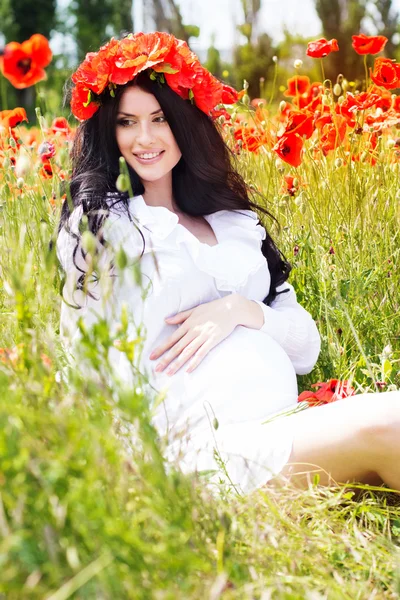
(224, 334)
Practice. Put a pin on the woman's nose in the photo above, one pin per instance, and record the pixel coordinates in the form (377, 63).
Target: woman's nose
(144, 134)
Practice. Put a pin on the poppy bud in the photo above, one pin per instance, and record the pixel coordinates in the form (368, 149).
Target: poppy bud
(20, 183)
(339, 78)
(246, 99)
(298, 64)
(337, 89)
(46, 150)
(12, 142)
(122, 259)
(326, 100)
(282, 106)
(363, 157)
(122, 183)
(275, 59)
(22, 165)
(245, 84)
(387, 352)
(88, 242)
(6, 163)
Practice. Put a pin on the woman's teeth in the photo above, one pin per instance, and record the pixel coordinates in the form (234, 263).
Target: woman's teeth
(149, 155)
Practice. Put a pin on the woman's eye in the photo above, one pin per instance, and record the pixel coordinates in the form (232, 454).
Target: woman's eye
(124, 122)
(160, 119)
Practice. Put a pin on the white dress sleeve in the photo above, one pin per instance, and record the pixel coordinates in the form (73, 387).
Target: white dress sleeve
(107, 289)
(289, 324)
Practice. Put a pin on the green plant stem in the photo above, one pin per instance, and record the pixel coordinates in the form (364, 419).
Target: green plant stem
(366, 72)
(322, 70)
(3, 93)
(273, 85)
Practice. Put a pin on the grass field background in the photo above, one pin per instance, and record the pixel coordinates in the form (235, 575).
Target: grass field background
(85, 513)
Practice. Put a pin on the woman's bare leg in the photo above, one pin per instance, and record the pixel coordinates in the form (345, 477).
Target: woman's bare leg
(355, 439)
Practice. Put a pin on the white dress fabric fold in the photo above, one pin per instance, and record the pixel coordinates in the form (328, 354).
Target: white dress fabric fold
(245, 379)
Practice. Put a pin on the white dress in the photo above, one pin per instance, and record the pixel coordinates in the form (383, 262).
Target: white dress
(243, 380)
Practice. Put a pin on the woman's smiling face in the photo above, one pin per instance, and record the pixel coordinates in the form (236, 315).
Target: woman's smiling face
(144, 137)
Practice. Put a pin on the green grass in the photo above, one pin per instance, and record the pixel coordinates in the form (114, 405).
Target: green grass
(87, 513)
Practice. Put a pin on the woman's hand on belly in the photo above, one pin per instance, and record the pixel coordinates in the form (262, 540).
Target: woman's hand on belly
(201, 329)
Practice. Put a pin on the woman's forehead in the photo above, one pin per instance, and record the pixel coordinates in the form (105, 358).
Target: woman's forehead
(136, 101)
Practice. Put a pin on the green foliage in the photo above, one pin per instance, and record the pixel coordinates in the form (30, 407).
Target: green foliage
(97, 20)
(252, 62)
(341, 19)
(19, 19)
(386, 20)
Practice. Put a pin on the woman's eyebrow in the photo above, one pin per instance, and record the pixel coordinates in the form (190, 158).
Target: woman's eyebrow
(130, 115)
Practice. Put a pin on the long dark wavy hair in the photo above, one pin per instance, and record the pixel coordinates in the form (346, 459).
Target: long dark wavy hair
(203, 182)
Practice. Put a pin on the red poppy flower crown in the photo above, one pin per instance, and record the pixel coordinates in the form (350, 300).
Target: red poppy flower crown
(168, 59)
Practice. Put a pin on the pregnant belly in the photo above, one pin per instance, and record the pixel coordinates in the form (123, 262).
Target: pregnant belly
(246, 377)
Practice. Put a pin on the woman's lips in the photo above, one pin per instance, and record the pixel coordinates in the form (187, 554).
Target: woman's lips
(149, 161)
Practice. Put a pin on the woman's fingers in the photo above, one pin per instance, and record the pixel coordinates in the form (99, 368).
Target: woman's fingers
(180, 317)
(169, 342)
(192, 348)
(200, 354)
(179, 348)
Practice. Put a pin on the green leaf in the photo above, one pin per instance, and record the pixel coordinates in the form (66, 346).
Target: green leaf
(167, 68)
(89, 99)
(386, 367)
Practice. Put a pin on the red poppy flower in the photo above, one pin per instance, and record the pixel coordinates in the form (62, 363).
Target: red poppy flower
(23, 64)
(385, 97)
(166, 57)
(333, 134)
(347, 109)
(297, 85)
(207, 90)
(301, 123)
(290, 185)
(12, 118)
(328, 392)
(95, 72)
(321, 48)
(251, 137)
(289, 148)
(229, 94)
(60, 126)
(220, 112)
(366, 100)
(369, 44)
(140, 52)
(46, 171)
(182, 69)
(46, 151)
(82, 105)
(386, 73)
